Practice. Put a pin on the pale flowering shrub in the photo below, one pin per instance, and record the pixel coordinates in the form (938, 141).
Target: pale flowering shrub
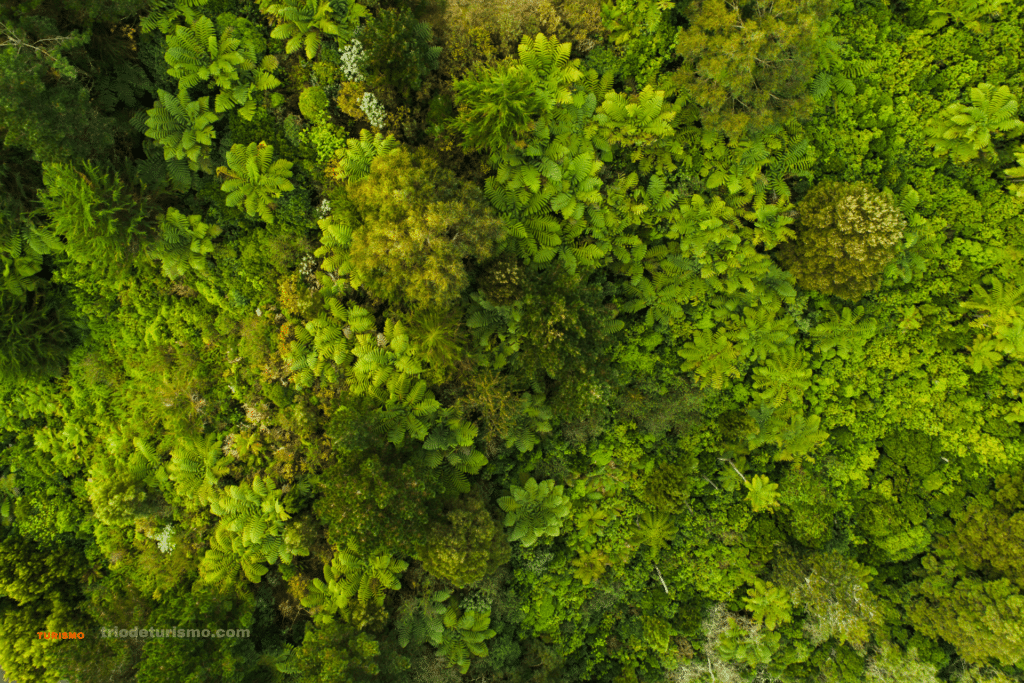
(373, 109)
(163, 539)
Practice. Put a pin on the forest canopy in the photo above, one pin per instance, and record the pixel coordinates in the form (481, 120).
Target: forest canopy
(512, 341)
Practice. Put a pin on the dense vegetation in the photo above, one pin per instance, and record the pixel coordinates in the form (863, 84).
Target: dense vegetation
(513, 340)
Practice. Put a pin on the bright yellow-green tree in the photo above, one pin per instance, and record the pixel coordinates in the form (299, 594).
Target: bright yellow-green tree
(421, 225)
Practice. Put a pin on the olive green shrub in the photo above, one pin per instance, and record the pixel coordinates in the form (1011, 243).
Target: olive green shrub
(468, 547)
(421, 224)
(847, 233)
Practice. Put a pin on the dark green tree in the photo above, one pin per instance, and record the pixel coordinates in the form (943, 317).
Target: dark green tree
(104, 216)
(37, 334)
(56, 60)
(398, 54)
(40, 590)
(333, 653)
(25, 239)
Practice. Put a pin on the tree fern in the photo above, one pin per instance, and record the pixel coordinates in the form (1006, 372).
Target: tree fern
(1002, 304)
(351, 579)
(801, 436)
(196, 55)
(969, 13)
(23, 245)
(255, 179)
(464, 635)
(712, 356)
(655, 530)
(163, 13)
(762, 494)
(1016, 174)
(965, 132)
(422, 619)
(353, 162)
(763, 332)
(252, 527)
(184, 128)
(305, 24)
(783, 378)
(534, 510)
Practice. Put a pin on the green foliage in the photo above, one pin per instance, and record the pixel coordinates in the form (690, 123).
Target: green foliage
(420, 227)
(655, 530)
(748, 64)
(844, 334)
(255, 179)
(969, 13)
(541, 122)
(501, 103)
(398, 52)
(334, 652)
(892, 665)
(615, 320)
(103, 217)
(251, 532)
(1016, 174)
(784, 378)
(313, 102)
(196, 55)
(353, 158)
(668, 486)
(847, 234)
(184, 244)
(45, 107)
(422, 620)
(456, 636)
(1001, 321)
(965, 132)
(534, 510)
(305, 24)
(41, 585)
(163, 13)
(24, 240)
(464, 636)
(736, 649)
(833, 591)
